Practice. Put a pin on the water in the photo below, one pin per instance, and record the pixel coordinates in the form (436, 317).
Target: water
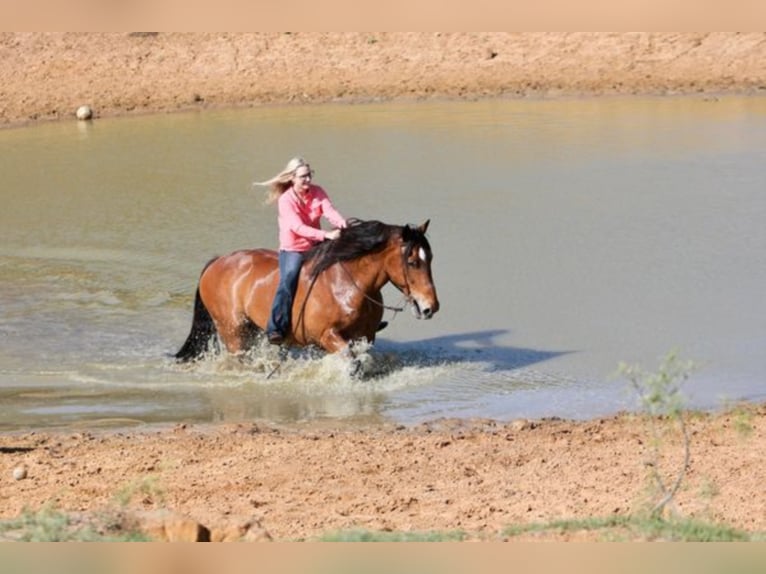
(568, 236)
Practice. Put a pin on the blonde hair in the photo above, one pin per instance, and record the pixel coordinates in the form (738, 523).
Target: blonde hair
(283, 180)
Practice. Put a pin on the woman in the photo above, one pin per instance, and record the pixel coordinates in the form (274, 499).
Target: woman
(301, 205)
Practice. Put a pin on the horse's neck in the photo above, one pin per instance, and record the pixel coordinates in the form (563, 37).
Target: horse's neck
(370, 272)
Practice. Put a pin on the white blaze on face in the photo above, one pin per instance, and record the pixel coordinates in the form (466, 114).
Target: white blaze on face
(418, 302)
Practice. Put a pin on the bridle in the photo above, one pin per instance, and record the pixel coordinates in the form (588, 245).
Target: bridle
(404, 290)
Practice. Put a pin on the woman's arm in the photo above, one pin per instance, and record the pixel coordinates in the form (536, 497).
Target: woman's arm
(328, 209)
(289, 218)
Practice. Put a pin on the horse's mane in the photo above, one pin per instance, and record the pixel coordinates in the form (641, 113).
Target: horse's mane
(360, 238)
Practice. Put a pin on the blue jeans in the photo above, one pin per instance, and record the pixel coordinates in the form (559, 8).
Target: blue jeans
(280, 320)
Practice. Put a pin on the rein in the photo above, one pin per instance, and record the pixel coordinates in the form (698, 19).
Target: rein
(406, 294)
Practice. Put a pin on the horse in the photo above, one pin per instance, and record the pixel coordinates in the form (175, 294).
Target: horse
(337, 300)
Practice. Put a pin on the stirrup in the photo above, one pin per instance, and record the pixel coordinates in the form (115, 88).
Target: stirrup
(275, 338)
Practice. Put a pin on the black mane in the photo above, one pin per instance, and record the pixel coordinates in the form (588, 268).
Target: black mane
(360, 238)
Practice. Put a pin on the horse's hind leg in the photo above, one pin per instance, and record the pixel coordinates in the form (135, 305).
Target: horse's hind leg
(249, 333)
(238, 337)
(230, 334)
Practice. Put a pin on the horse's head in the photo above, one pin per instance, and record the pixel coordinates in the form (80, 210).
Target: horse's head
(413, 276)
(404, 253)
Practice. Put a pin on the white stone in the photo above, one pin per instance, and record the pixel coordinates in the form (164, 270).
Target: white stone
(84, 113)
(19, 473)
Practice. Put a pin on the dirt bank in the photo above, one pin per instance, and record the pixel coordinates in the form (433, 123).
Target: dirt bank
(475, 476)
(48, 75)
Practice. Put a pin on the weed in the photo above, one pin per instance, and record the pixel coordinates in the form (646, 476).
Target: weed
(51, 525)
(742, 419)
(376, 536)
(650, 528)
(146, 488)
(660, 396)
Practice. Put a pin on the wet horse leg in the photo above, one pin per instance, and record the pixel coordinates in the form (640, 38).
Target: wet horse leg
(333, 342)
(249, 333)
(238, 336)
(232, 335)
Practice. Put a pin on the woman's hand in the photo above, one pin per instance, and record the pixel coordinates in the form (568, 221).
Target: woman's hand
(334, 234)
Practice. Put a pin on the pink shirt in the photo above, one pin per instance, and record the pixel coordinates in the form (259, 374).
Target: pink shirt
(299, 221)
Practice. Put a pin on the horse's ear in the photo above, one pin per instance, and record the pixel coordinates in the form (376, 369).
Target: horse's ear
(424, 226)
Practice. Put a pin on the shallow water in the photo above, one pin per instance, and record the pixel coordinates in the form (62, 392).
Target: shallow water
(568, 236)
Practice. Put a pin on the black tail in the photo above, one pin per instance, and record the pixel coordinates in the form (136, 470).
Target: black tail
(202, 330)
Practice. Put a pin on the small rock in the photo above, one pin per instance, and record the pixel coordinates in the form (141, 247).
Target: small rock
(520, 425)
(19, 473)
(84, 113)
(251, 531)
(165, 526)
(257, 534)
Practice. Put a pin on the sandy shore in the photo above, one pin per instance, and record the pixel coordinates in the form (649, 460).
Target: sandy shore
(47, 76)
(264, 482)
(478, 477)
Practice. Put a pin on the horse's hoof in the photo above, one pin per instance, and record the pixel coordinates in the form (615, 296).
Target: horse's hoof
(356, 371)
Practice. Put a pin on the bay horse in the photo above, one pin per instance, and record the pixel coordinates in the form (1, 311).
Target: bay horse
(337, 300)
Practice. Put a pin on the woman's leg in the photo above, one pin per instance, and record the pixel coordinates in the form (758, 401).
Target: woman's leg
(281, 310)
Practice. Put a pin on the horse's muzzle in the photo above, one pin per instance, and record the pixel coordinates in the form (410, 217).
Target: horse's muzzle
(424, 312)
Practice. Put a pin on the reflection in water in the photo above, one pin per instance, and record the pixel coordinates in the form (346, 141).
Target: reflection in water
(568, 236)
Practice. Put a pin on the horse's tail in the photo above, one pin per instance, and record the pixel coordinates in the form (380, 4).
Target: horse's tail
(202, 330)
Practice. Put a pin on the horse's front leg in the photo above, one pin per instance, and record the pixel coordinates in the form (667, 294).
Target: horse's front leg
(333, 342)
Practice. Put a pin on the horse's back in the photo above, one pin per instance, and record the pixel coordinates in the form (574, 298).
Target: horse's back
(240, 284)
(243, 261)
